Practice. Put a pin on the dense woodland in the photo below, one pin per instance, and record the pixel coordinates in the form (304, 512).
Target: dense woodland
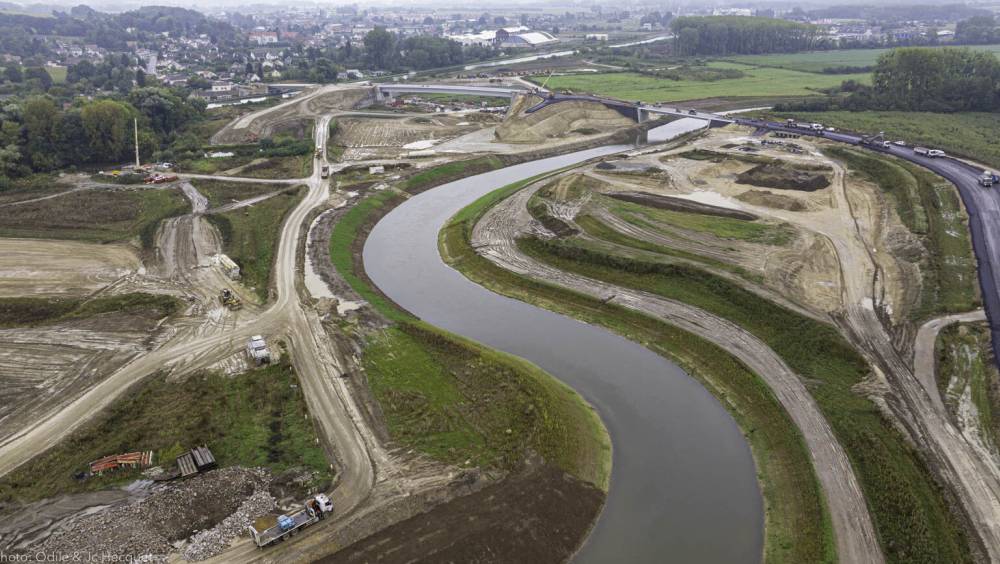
(733, 35)
(39, 136)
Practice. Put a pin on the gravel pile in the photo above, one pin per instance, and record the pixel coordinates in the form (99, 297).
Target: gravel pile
(208, 543)
(147, 529)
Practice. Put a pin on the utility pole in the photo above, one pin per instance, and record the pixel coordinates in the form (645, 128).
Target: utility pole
(135, 121)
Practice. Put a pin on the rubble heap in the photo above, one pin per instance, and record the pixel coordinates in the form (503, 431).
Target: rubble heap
(147, 529)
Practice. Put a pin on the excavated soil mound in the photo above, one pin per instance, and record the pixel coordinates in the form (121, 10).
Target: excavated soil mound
(556, 120)
(769, 200)
(784, 177)
(680, 205)
(540, 516)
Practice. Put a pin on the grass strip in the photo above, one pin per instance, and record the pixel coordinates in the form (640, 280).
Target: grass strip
(450, 171)
(19, 312)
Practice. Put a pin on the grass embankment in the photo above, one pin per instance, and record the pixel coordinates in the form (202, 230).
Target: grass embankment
(930, 208)
(250, 236)
(454, 399)
(103, 216)
(450, 171)
(968, 134)
(910, 512)
(18, 312)
(755, 82)
(222, 192)
(965, 365)
(663, 220)
(255, 419)
(797, 524)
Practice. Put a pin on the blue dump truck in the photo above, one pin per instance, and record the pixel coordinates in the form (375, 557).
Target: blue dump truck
(270, 529)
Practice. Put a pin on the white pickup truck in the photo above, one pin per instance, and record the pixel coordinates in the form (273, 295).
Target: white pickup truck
(270, 529)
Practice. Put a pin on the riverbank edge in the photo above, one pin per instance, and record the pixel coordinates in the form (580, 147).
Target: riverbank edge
(354, 228)
(456, 250)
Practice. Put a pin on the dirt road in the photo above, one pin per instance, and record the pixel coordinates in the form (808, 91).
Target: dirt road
(494, 238)
(317, 362)
(923, 351)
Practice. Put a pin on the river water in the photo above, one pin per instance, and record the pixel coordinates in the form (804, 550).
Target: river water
(683, 485)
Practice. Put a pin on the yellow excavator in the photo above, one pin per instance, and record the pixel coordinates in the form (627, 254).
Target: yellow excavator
(230, 299)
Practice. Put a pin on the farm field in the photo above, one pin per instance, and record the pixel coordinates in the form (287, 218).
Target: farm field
(816, 61)
(759, 81)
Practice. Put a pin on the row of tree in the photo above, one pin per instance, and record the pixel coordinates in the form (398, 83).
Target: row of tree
(38, 135)
(731, 35)
(981, 30)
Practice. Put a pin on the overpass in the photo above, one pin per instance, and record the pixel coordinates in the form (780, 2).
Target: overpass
(389, 91)
(636, 111)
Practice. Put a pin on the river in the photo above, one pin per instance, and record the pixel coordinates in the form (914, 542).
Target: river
(683, 484)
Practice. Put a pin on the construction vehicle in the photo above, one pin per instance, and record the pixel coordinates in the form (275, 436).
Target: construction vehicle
(877, 142)
(270, 529)
(257, 350)
(325, 171)
(230, 299)
(988, 179)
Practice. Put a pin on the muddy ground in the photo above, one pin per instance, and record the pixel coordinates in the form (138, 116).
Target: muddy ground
(48, 267)
(538, 515)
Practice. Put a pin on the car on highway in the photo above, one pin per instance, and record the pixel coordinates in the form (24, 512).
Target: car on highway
(899, 143)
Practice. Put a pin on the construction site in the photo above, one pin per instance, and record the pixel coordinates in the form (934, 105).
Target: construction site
(212, 366)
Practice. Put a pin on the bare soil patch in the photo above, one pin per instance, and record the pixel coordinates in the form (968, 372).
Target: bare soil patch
(785, 177)
(536, 516)
(771, 200)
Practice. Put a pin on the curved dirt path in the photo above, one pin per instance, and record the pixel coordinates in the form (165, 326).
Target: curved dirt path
(494, 238)
(924, 364)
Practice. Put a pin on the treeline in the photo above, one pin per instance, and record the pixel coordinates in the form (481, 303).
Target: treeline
(981, 30)
(922, 80)
(38, 135)
(893, 13)
(385, 50)
(731, 35)
(22, 34)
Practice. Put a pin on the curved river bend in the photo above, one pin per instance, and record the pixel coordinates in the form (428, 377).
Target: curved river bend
(683, 484)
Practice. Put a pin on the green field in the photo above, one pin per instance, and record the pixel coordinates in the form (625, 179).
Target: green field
(797, 527)
(250, 237)
(258, 418)
(221, 192)
(757, 82)
(970, 134)
(96, 215)
(816, 61)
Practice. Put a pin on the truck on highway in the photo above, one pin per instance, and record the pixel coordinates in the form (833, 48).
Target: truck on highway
(925, 152)
(988, 178)
(269, 529)
(325, 171)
